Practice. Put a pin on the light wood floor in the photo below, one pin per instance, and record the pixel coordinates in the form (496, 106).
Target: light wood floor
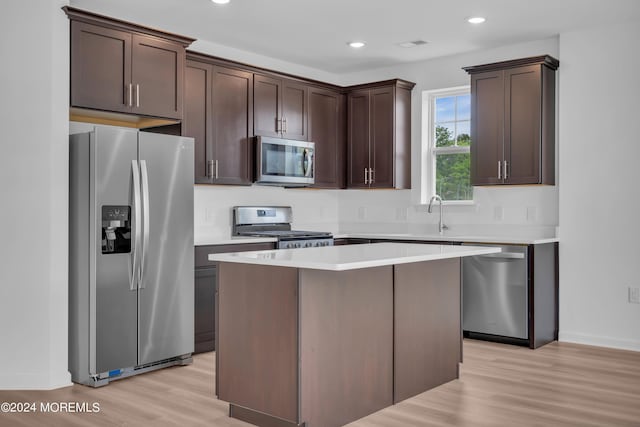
(559, 384)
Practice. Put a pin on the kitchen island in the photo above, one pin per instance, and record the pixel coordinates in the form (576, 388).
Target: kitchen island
(324, 336)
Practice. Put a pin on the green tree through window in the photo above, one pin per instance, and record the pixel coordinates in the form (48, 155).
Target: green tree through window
(451, 144)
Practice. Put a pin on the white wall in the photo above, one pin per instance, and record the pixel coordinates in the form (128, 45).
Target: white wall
(513, 208)
(532, 210)
(34, 182)
(599, 205)
(312, 209)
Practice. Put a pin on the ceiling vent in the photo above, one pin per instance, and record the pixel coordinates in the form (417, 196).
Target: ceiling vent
(413, 43)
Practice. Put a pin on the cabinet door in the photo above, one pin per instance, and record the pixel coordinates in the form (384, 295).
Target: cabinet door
(522, 124)
(100, 67)
(205, 309)
(326, 130)
(157, 76)
(382, 143)
(358, 139)
(232, 125)
(197, 116)
(266, 106)
(487, 127)
(294, 110)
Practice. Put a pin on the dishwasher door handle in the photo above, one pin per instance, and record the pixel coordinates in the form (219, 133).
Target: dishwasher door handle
(505, 255)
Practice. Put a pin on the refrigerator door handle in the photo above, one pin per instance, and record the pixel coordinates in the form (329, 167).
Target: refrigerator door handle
(137, 215)
(145, 220)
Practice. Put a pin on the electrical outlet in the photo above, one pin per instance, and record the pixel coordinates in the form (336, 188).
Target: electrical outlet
(498, 213)
(634, 295)
(362, 212)
(531, 213)
(209, 215)
(401, 214)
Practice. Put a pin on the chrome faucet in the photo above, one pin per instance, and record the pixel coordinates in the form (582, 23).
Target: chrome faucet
(441, 226)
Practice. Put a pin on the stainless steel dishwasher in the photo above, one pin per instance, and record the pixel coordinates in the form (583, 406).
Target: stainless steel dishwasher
(495, 292)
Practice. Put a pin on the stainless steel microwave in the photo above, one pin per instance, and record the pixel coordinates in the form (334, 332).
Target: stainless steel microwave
(285, 162)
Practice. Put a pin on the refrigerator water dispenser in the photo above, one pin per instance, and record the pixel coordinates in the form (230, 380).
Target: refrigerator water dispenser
(116, 229)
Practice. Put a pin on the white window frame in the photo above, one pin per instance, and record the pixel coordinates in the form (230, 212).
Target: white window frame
(428, 143)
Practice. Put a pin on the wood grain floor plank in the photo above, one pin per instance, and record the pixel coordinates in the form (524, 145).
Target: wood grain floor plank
(557, 385)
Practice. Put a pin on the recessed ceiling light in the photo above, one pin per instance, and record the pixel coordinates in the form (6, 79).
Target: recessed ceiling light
(220, 1)
(356, 45)
(476, 20)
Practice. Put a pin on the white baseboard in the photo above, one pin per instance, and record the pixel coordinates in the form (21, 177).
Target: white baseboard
(599, 341)
(35, 381)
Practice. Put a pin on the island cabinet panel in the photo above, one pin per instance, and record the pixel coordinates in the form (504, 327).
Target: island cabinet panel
(346, 344)
(257, 354)
(427, 326)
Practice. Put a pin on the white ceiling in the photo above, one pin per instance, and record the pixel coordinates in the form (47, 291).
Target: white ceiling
(314, 33)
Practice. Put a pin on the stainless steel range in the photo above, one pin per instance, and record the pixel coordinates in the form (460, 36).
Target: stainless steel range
(275, 221)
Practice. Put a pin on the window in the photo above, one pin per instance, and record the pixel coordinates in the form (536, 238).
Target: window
(448, 143)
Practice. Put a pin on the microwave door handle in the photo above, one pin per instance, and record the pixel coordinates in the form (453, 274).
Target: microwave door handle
(306, 162)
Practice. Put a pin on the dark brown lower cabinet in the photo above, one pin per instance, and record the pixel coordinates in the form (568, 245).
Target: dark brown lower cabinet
(205, 291)
(205, 303)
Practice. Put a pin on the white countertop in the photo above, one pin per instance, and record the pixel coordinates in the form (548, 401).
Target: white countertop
(513, 239)
(351, 257)
(497, 239)
(234, 240)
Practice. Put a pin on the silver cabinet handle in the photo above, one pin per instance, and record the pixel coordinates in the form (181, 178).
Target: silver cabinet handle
(137, 95)
(136, 224)
(278, 125)
(216, 169)
(366, 181)
(499, 169)
(130, 95)
(506, 169)
(145, 220)
(284, 125)
(371, 179)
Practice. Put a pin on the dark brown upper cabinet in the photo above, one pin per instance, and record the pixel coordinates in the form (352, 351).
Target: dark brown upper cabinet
(379, 135)
(327, 130)
(121, 67)
(513, 121)
(280, 108)
(218, 115)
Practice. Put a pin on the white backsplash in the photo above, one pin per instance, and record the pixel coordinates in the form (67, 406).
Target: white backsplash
(516, 211)
(312, 209)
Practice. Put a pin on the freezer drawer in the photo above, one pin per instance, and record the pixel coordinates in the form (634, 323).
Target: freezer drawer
(495, 293)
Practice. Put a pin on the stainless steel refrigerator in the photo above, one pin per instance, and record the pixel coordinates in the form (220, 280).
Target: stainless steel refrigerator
(130, 253)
